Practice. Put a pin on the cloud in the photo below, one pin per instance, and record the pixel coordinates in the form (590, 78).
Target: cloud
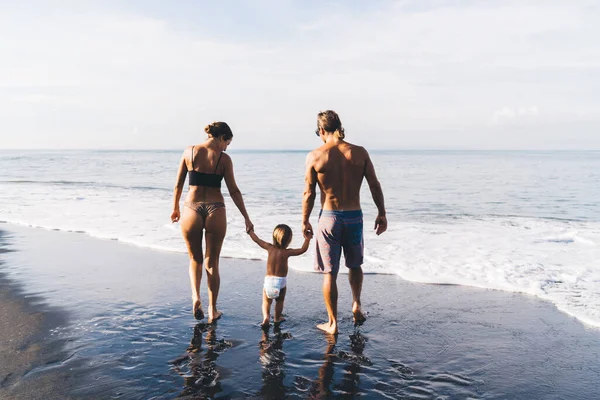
(85, 75)
(508, 114)
(37, 98)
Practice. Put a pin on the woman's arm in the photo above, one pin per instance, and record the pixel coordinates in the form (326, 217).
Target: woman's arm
(234, 191)
(179, 182)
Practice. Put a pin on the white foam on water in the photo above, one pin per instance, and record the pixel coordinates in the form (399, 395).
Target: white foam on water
(554, 260)
(428, 240)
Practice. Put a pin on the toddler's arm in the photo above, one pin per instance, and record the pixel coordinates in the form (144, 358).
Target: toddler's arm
(259, 241)
(301, 250)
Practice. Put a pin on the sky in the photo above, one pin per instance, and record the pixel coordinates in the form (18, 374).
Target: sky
(414, 74)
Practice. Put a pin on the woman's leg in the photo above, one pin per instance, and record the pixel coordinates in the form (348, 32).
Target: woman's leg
(192, 225)
(216, 227)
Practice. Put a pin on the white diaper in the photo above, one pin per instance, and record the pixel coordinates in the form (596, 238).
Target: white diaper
(273, 285)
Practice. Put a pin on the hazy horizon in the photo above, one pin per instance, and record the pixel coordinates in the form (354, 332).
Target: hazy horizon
(281, 150)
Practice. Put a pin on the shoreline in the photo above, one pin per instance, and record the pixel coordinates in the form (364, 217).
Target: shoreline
(546, 298)
(130, 331)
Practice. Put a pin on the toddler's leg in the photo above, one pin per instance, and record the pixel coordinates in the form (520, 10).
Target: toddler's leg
(279, 306)
(266, 309)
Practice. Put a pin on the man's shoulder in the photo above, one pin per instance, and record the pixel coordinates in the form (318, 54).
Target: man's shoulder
(355, 146)
(356, 151)
(315, 154)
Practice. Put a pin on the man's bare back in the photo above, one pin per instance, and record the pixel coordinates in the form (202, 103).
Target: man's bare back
(338, 167)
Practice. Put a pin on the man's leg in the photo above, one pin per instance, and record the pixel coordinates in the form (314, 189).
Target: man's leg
(353, 244)
(330, 294)
(328, 252)
(355, 276)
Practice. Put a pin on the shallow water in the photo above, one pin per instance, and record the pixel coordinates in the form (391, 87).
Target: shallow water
(515, 221)
(131, 334)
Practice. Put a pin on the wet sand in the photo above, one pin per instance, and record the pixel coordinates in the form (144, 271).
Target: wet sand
(126, 331)
(25, 341)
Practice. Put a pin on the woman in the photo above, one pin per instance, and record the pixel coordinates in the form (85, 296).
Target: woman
(204, 210)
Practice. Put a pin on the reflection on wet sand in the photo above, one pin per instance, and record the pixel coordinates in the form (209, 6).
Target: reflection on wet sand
(322, 385)
(198, 367)
(272, 357)
(354, 359)
(442, 342)
(350, 382)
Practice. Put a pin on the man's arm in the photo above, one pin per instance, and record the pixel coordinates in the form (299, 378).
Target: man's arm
(259, 241)
(377, 194)
(308, 199)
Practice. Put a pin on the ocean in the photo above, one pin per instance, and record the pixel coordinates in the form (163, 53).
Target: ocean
(515, 221)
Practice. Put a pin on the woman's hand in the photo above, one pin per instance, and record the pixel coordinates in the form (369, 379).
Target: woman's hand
(249, 225)
(175, 215)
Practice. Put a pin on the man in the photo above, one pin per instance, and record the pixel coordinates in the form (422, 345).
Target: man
(339, 167)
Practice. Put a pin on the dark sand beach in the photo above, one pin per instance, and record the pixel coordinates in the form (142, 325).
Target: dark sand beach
(91, 318)
(26, 343)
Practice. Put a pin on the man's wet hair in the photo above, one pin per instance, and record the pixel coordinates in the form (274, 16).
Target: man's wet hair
(330, 121)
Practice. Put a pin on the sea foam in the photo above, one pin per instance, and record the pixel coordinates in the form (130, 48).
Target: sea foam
(487, 220)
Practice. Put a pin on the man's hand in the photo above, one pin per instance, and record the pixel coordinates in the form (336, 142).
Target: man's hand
(380, 224)
(307, 230)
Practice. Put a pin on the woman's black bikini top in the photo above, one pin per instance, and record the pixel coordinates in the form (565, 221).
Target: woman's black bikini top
(203, 178)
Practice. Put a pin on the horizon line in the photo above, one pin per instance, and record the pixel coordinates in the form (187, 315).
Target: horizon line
(302, 150)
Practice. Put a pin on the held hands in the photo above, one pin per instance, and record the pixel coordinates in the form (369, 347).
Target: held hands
(175, 215)
(307, 230)
(249, 225)
(380, 224)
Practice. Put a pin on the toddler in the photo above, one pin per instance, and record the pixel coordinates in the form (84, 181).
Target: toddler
(277, 269)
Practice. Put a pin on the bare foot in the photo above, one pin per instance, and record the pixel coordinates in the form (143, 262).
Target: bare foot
(328, 327)
(214, 317)
(281, 319)
(359, 317)
(197, 310)
(265, 323)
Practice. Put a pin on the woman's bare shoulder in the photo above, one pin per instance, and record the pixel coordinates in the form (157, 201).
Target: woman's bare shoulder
(226, 158)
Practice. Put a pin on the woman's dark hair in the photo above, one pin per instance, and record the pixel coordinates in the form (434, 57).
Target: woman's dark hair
(330, 122)
(219, 129)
